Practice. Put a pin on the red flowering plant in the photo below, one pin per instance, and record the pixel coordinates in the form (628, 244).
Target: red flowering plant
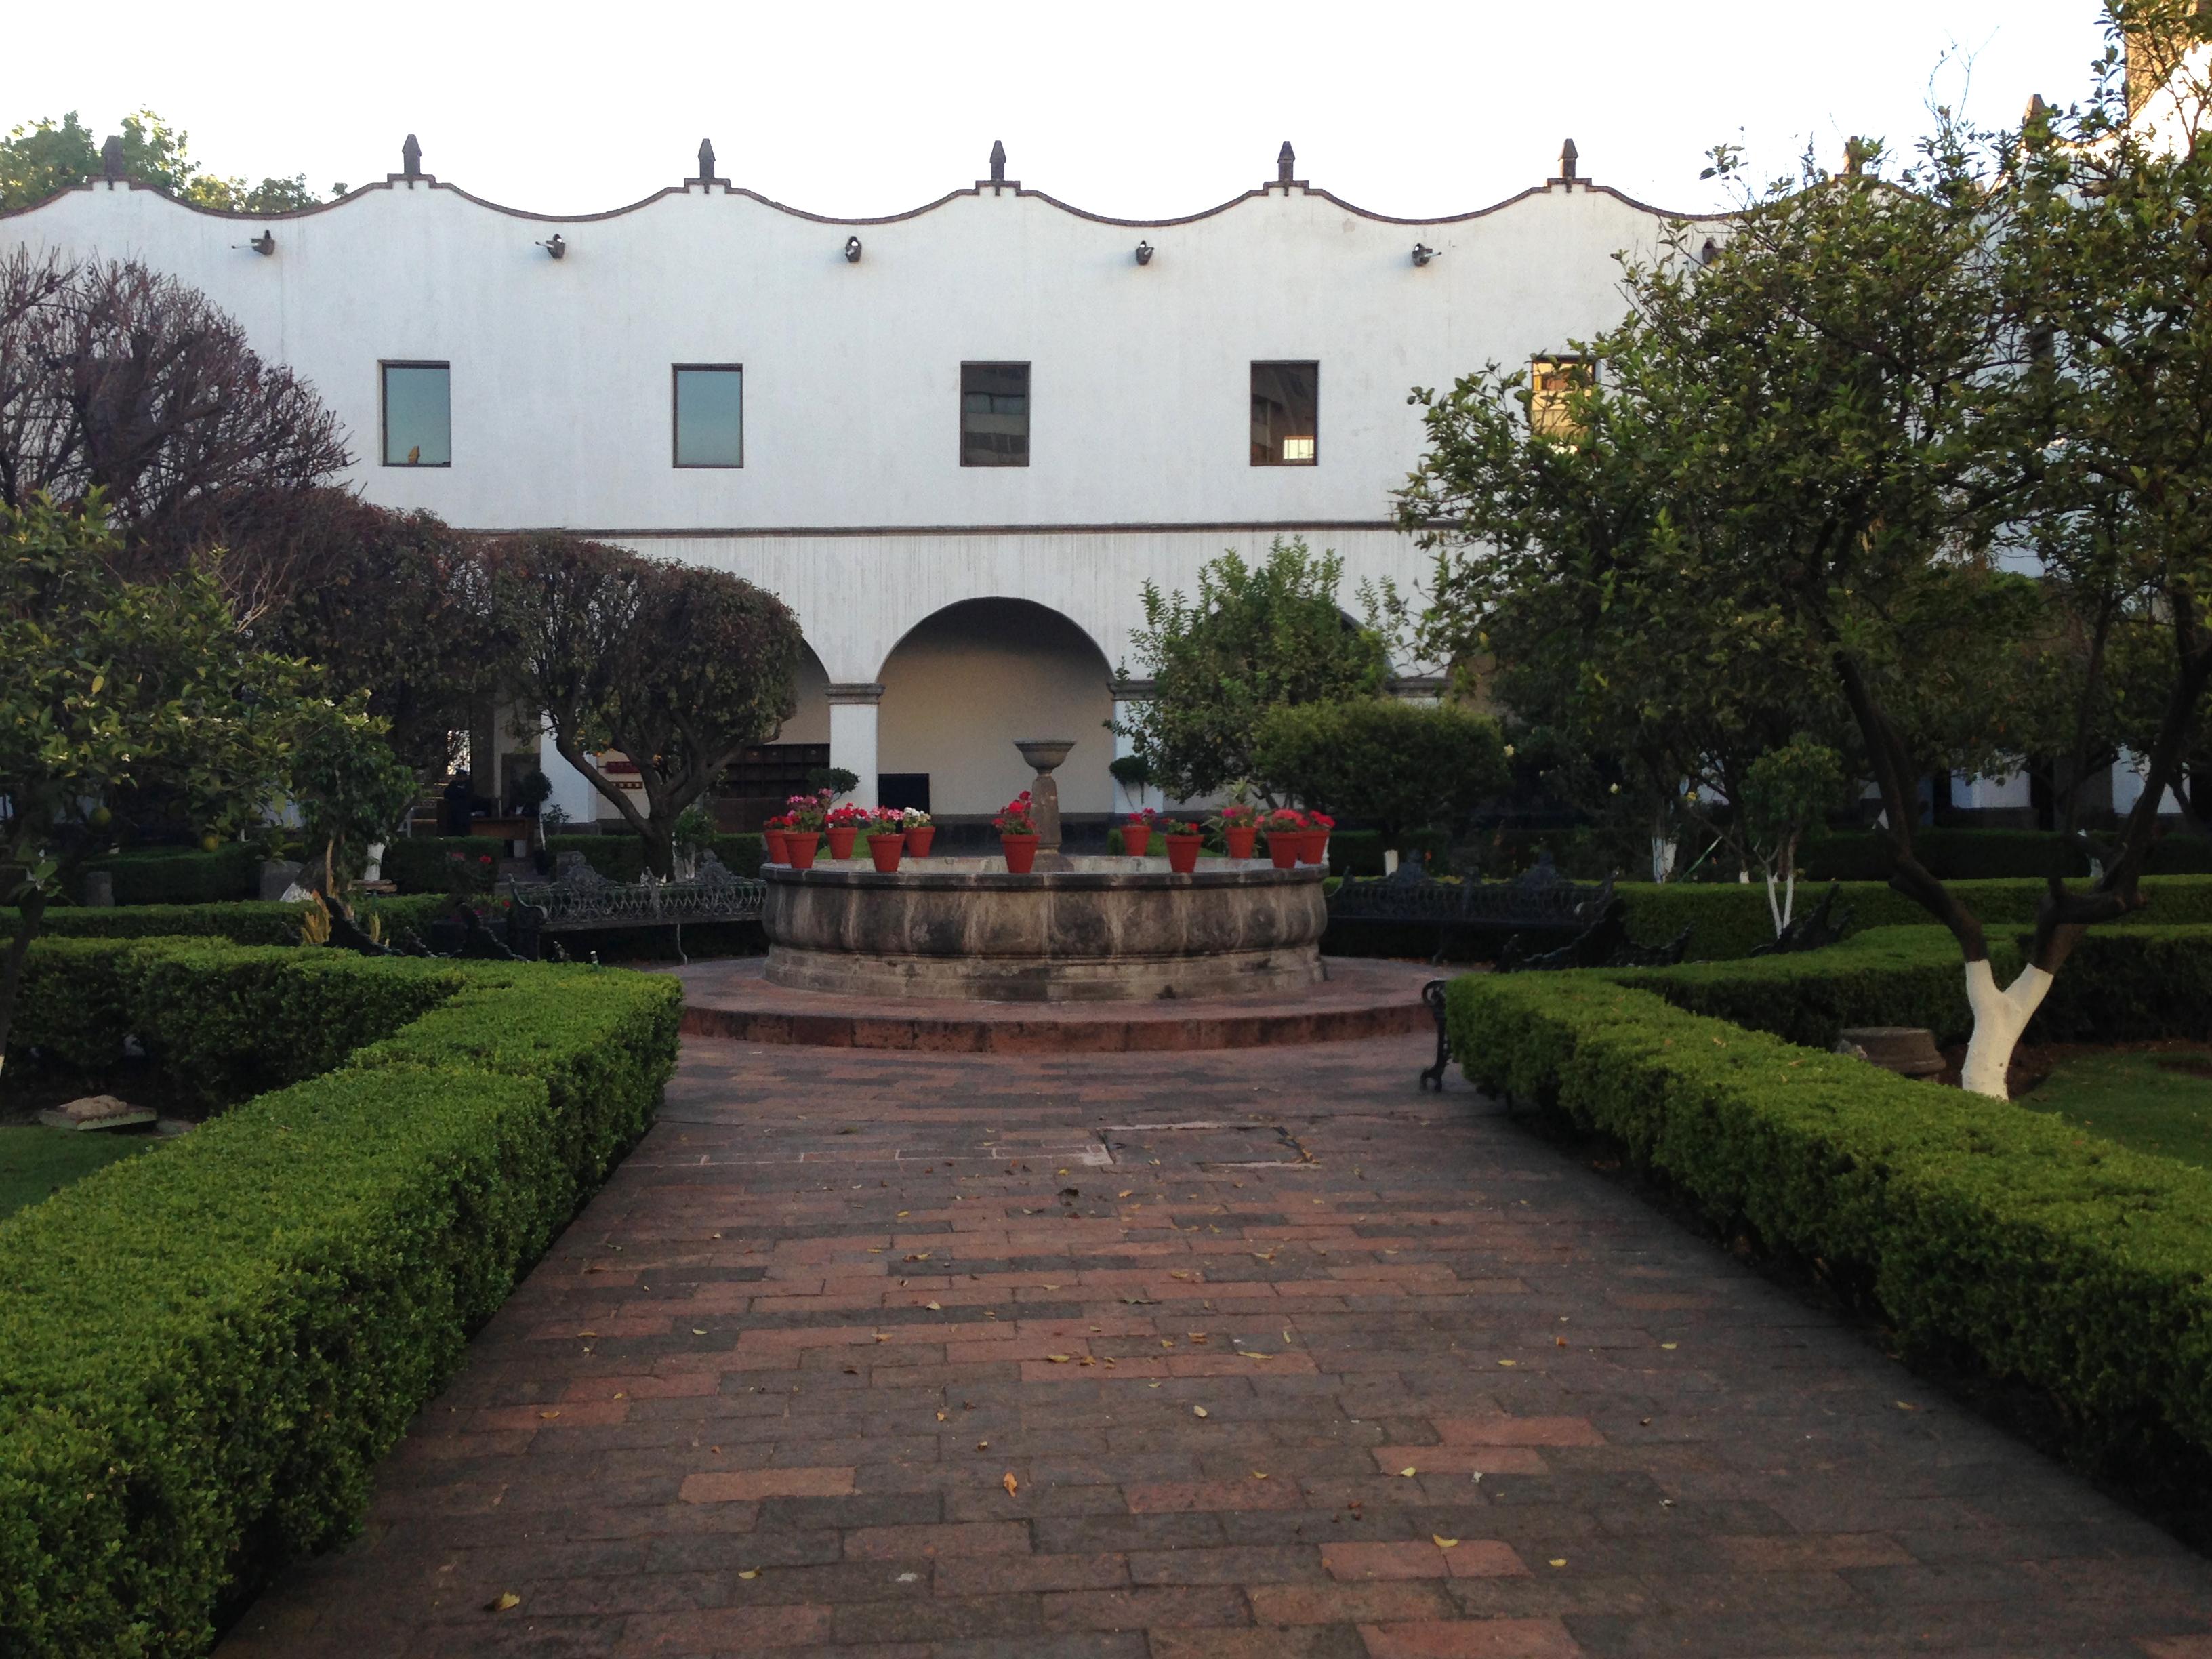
(1320, 821)
(850, 817)
(1235, 818)
(1284, 820)
(1168, 826)
(1016, 817)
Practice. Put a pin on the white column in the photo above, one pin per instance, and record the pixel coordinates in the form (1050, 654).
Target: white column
(853, 710)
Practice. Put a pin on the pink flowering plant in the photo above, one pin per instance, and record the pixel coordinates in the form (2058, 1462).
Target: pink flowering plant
(808, 813)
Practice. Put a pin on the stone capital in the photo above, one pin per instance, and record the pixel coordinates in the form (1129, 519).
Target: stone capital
(855, 693)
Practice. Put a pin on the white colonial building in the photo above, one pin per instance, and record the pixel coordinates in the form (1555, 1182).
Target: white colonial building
(957, 441)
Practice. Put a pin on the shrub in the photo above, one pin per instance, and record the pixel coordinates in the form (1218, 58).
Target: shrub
(425, 864)
(1403, 766)
(2010, 1239)
(1983, 855)
(203, 1354)
(247, 923)
(176, 875)
(618, 857)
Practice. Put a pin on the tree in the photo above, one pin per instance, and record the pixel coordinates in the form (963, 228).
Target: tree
(45, 157)
(113, 683)
(1401, 766)
(346, 785)
(680, 668)
(1876, 386)
(386, 602)
(1256, 636)
(114, 378)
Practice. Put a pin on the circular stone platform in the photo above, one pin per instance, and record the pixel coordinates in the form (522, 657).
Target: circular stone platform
(1358, 999)
(1084, 930)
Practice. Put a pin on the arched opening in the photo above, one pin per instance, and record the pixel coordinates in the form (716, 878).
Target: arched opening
(969, 682)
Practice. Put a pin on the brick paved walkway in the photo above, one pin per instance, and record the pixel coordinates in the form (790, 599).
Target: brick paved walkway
(1248, 1381)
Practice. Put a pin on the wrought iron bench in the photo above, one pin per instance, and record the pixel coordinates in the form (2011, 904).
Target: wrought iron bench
(1541, 901)
(580, 899)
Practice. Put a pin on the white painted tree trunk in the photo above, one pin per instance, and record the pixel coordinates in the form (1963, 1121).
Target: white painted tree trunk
(2000, 1015)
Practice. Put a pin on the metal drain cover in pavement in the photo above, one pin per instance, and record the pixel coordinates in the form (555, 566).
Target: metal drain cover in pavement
(1208, 1146)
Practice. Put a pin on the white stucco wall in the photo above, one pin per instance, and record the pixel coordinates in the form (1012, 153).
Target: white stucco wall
(851, 503)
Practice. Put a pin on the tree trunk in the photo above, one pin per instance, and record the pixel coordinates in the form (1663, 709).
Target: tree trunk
(27, 917)
(660, 849)
(2000, 1016)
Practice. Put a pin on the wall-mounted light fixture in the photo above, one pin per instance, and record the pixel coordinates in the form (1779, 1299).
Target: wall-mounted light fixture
(264, 243)
(1144, 253)
(852, 250)
(557, 244)
(1422, 254)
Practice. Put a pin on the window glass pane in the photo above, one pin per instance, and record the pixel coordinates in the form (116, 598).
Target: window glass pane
(418, 417)
(994, 413)
(1553, 384)
(710, 418)
(1285, 414)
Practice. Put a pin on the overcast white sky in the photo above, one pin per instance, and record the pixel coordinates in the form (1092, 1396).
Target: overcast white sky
(1132, 108)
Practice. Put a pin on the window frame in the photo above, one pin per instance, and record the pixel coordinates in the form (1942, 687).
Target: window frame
(1027, 366)
(676, 371)
(384, 365)
(1258, 363)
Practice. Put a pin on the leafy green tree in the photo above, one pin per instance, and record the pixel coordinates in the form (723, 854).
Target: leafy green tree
(1401, 766)
(679, 668)
(45, 157)
(1255, 637)
(1877, 385)
(113, 684)
(346, 785)
(386, 602)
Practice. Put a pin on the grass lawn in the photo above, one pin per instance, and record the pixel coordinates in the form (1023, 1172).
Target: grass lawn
(35, 1160)
(2153, 1101)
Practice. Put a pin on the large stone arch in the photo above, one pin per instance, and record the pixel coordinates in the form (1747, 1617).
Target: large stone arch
(964, 684)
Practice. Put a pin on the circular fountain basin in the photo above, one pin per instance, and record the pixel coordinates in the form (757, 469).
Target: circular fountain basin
(1089, 930)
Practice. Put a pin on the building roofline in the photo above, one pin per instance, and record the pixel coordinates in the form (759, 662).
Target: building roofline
(1582, 186)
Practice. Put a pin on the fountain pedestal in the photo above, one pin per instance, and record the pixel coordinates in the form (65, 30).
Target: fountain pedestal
(1043, 755)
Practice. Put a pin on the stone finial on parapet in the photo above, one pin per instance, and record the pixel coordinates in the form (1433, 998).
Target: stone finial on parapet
(111, 157)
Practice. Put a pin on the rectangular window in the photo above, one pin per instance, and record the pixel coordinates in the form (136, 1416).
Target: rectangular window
(994, 413)
(1285, 414)
(1554, 383)
(710, 408)
(418, 414)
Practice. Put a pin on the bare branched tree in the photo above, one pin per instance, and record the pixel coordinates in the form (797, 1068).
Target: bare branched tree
(116, 378)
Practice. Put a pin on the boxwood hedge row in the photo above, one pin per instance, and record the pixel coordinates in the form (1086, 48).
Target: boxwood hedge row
(204, 1352)
(249, 922)
(2011, 1241)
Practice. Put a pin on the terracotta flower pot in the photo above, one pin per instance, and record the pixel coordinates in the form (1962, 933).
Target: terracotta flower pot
(918, 840)
(1182, 852)
(800, 844)
(840, 841)
(1284, 846)
(1315, 848)
(885, 850)
(1241, 841)
(1021, 853)
(1137, 835)
(777, 853)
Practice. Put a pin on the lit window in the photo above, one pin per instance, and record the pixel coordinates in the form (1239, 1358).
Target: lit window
(710, 427)
(1285, 414)
(418, 415)
(1553, 384)
(994, 413)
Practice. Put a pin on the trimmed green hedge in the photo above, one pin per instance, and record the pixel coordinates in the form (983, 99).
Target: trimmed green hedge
(182, 876)
(1730, 919)
(2007, 1239)
(1981, 854)
(203, 1354)
(2120, 985)
(424, 864)
(250, 922)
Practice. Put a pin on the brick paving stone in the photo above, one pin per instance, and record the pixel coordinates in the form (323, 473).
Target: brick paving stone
(769, 1441)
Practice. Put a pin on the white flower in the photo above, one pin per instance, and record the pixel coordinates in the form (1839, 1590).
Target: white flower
(1509, 751)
